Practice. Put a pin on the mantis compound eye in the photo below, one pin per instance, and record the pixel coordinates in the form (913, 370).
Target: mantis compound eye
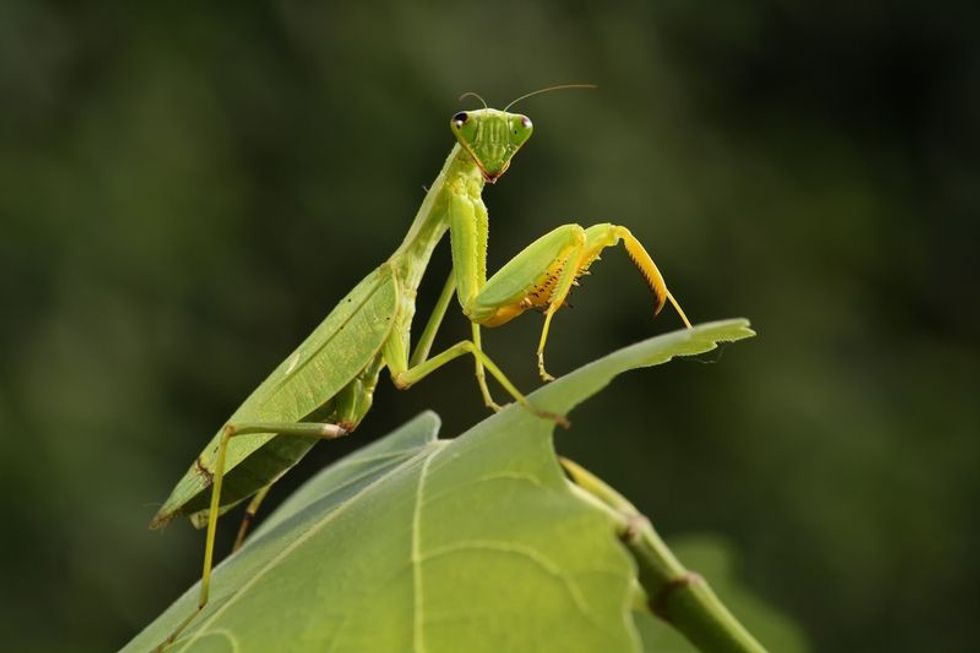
(460, 118)
(521, 126)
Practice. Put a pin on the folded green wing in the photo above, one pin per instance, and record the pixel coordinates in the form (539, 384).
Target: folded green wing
(343, 345)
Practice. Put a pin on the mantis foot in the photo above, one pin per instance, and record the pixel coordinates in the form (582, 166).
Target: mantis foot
(560, 420)
(165, 644)
(543, 372)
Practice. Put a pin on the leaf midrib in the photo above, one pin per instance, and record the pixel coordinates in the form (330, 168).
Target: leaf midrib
(319, 525)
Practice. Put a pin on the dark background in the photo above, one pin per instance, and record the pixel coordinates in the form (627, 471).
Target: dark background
(185, 191)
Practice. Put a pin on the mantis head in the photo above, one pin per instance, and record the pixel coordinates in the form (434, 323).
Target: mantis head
(492, 137)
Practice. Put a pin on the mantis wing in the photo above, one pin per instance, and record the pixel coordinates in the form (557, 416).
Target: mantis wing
(347, 340)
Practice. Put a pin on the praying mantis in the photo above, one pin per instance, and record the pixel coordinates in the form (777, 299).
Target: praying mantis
(324, 388)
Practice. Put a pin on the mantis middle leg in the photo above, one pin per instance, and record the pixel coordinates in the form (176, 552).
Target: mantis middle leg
(420, 365)
(406, 371)
(420, 353)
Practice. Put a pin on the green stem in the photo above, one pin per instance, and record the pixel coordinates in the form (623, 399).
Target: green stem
(680, 597)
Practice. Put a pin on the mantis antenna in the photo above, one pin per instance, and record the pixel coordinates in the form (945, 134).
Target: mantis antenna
(476, 95)
(560, 87)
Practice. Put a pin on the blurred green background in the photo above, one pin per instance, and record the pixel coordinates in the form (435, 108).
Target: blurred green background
(186, 190)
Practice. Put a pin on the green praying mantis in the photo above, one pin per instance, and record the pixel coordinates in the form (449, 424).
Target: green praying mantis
(324, 388)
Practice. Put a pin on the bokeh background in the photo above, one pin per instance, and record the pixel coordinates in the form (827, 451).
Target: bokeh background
(186, 190)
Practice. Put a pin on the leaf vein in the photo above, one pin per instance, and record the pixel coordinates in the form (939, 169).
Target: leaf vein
(418, 615)
(501, 476)
(295, 544)
(544, 562)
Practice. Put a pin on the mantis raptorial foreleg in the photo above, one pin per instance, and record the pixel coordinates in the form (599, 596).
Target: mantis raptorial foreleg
(542, 275)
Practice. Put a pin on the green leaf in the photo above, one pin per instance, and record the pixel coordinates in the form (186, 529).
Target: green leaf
(413, 543)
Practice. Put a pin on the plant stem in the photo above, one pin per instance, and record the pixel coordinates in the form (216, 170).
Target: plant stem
(680, 597)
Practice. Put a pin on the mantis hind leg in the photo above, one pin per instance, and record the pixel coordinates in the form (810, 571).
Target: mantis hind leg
(543, 274)
(349, 408)
(322, 431)
(249, 516)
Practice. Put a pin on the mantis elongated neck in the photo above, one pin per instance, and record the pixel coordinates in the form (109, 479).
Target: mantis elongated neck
(459, 174)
